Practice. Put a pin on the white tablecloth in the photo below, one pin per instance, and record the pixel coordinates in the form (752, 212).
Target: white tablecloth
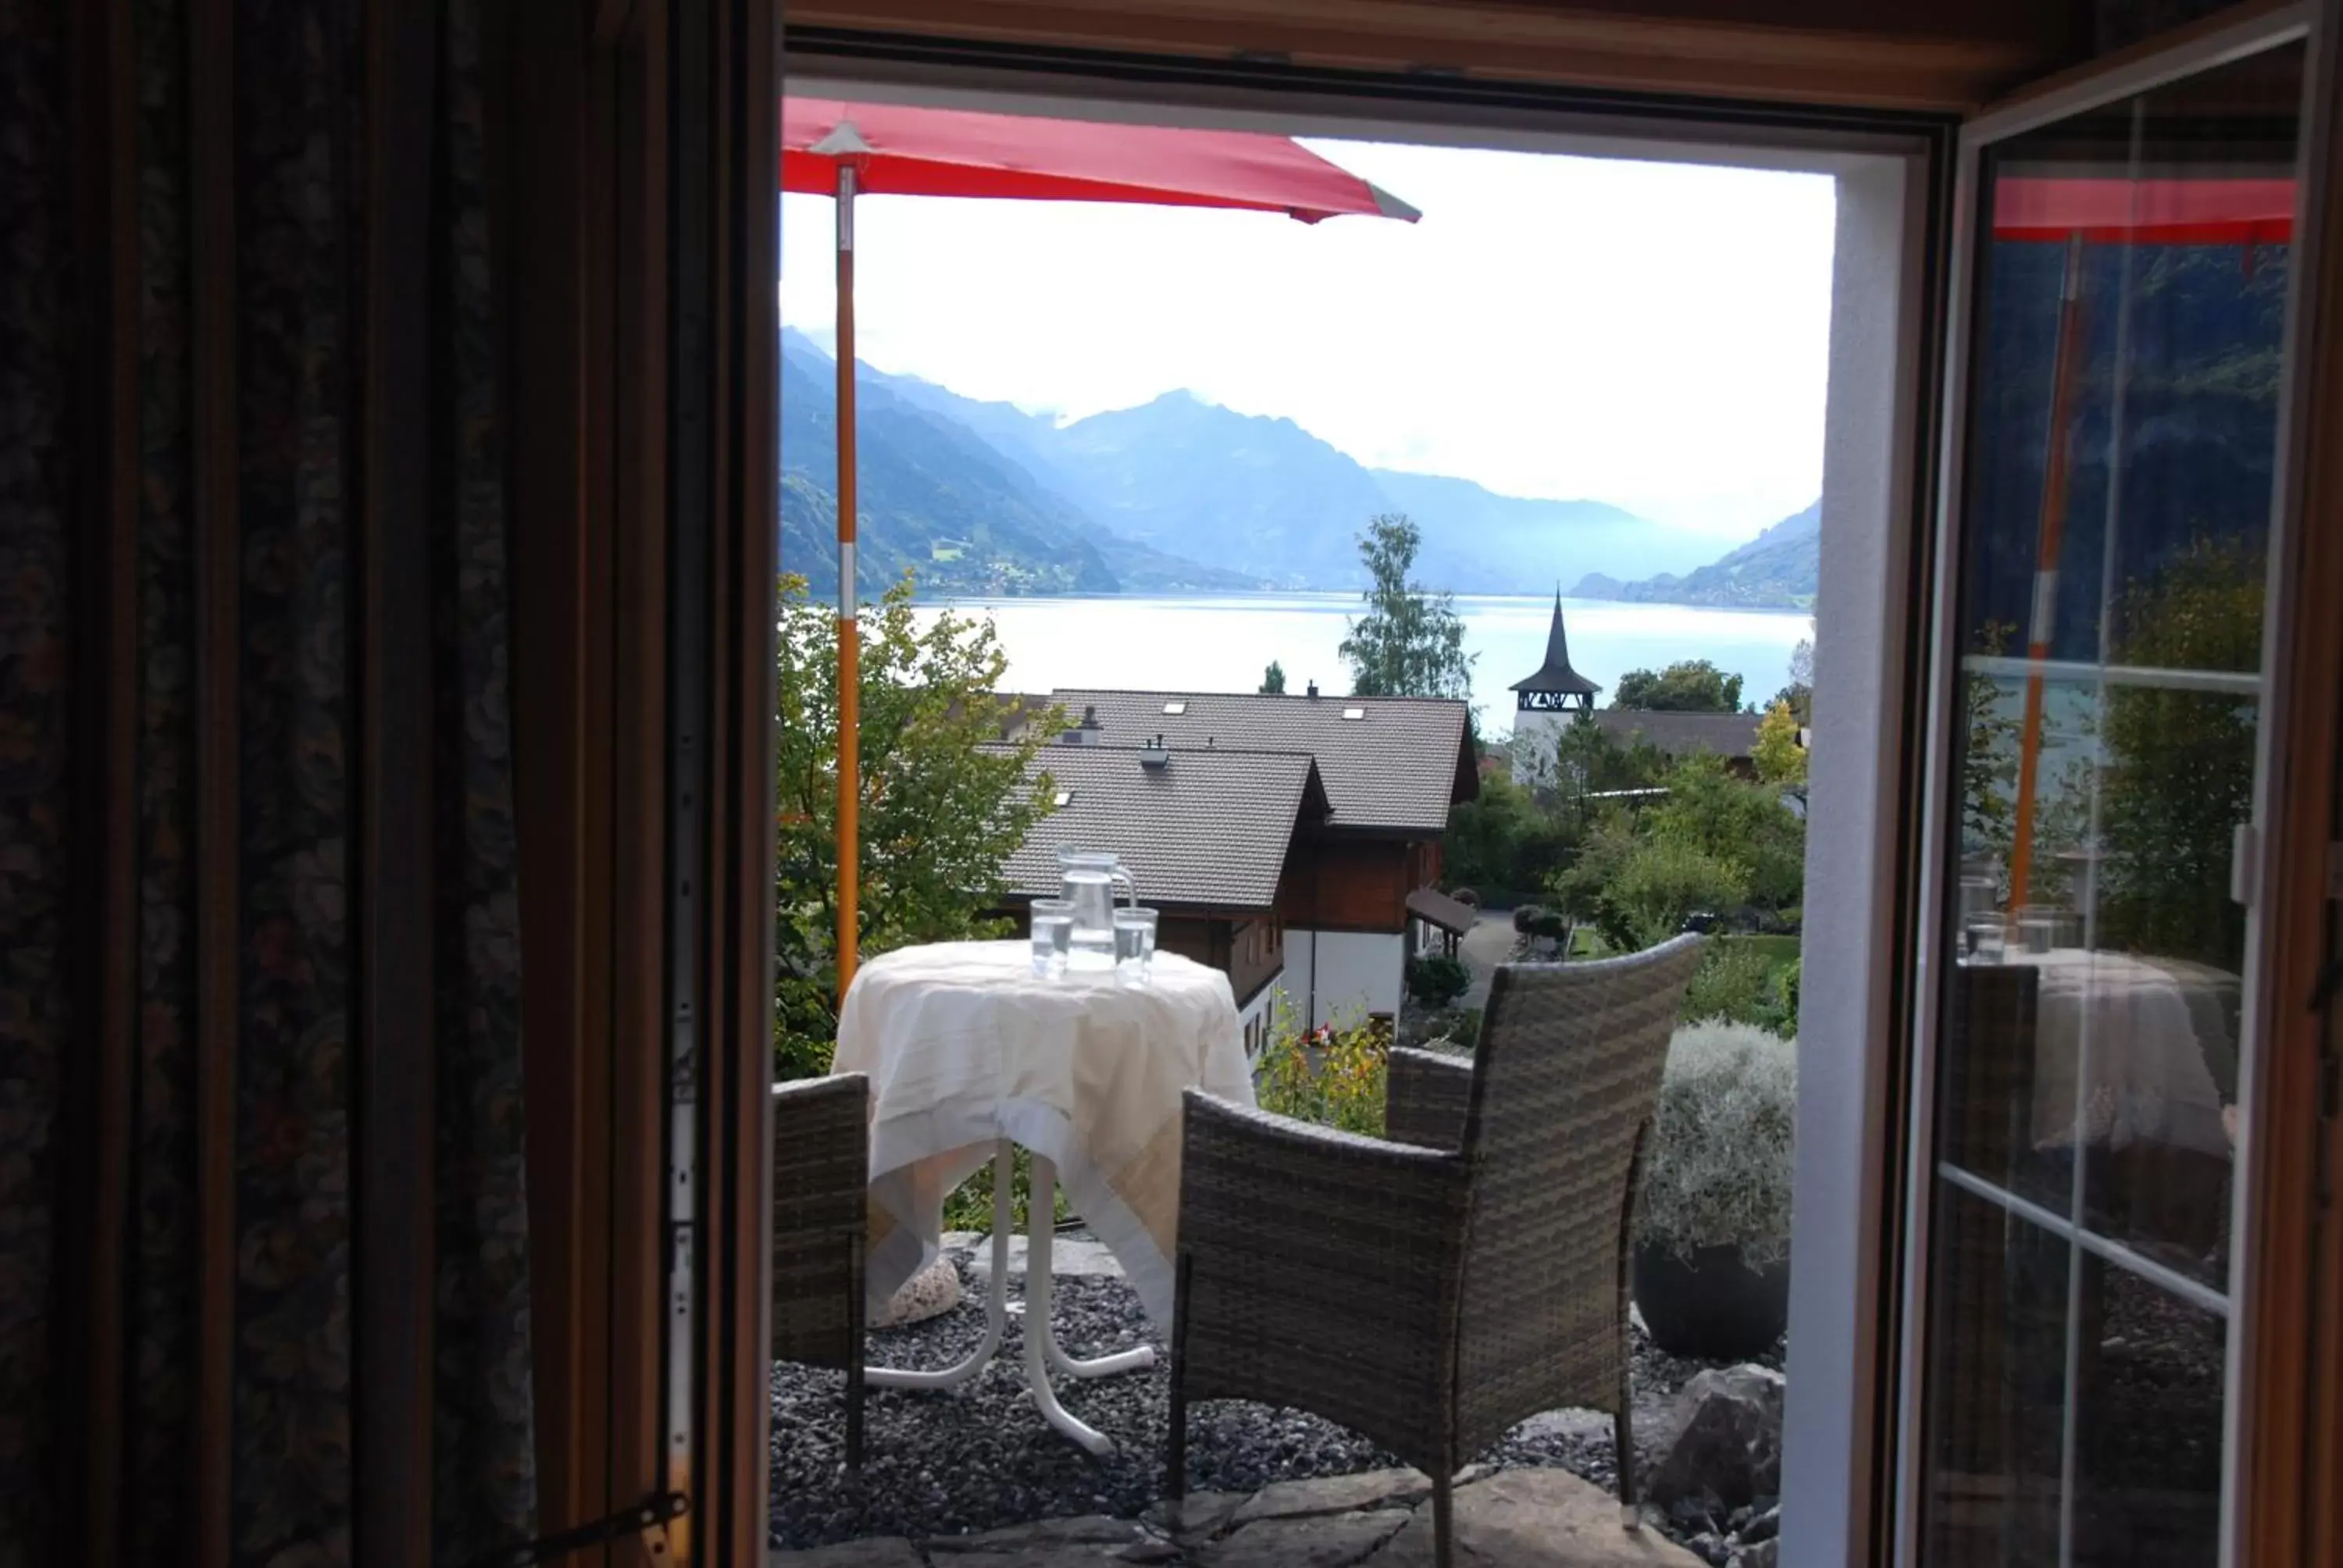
(964, 1046)
(2122, 1032)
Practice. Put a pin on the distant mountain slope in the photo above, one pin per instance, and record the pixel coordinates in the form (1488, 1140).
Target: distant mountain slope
(934, 497)
(1029, 441)
(1184, 474)
(1477, 541)
(1778, 570)
(1263, 495)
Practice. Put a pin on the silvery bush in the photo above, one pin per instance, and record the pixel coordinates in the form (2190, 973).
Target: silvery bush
(1717, 1170)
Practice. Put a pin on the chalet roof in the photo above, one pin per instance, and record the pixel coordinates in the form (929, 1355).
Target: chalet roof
(1396, 766)
(1555, 674)
(1732, 735)
(1449, 914)
(1207, 828)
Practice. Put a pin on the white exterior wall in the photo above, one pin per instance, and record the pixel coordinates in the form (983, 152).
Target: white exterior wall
(1338, 972)
(1535, 735)
(1259, 1009)
(1844, 1030)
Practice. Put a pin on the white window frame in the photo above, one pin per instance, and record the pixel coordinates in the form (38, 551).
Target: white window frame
(1874, 520)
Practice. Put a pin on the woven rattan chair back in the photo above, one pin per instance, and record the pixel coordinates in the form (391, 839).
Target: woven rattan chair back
(821, 1143)
(1563, 1086)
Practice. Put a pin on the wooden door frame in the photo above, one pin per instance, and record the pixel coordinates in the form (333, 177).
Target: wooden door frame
(2291, 1361)
(633, 148)
(2283, 1452)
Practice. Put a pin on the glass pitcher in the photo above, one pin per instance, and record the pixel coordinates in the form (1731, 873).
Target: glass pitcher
(1089, 880)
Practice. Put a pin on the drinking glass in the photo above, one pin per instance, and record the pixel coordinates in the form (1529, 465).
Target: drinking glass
(1134, 944)
(1988, 938)
(1053, 932)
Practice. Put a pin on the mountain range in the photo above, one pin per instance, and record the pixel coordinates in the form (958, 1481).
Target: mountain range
(984, 497)
(1776, 570)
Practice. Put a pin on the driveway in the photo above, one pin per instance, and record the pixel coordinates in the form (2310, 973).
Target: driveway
(1489, 943)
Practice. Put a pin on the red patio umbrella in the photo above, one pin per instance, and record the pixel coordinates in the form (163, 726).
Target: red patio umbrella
(2075, 212)
(831, 148)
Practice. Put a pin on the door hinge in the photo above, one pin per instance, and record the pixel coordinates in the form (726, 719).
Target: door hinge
(647, 1520)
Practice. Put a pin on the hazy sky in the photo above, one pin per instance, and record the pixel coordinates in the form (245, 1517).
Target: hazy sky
(1651, 335)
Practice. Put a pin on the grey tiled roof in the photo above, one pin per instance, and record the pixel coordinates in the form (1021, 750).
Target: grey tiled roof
(1211, 828)
(1729, 735)
(1396, 767)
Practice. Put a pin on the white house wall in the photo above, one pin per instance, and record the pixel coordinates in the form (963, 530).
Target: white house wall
(1345, 972)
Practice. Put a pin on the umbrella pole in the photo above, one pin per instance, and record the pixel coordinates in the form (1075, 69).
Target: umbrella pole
(2064, 361)
(849, 652)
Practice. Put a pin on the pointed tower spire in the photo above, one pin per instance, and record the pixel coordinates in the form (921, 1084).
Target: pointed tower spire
(1555, 684)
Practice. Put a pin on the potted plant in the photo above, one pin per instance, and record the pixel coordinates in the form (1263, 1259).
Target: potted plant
(1712, 1263)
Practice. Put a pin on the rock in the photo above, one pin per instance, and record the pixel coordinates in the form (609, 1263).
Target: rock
(1335, 1494)
(1724, 1437)
(1334, 1540)
(1763, 1526)
(1521, 1518)
(929, 1293)
(1765, 1554)
(1088, 1529)
(1196, 1515)
(889, 1551)
(1070, 1258)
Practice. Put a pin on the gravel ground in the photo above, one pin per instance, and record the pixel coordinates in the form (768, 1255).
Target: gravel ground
(980, 1457)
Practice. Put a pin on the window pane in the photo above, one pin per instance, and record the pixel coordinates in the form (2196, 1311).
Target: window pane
(2118, 486)
(1996, 1431)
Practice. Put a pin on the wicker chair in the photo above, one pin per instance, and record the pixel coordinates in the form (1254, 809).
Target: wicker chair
(821, 1174)
(1432, 1289)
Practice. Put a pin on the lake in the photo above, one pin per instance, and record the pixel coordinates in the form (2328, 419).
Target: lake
(1222, 642)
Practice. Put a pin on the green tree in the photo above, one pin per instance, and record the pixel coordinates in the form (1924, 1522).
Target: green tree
(1989, 756)
(2178, 774)
(1587, 762)
(1689, 685)
(1781, 761)
(943, 803)
(1411, 642)
(1800, 693)
(1272, 679)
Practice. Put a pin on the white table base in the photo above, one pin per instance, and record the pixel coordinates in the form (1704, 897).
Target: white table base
(1042, 1351)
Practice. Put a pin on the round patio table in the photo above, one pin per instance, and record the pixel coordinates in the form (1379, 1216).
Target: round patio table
(968, 1053)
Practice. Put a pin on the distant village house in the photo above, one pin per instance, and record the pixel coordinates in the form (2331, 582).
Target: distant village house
(1281, 836)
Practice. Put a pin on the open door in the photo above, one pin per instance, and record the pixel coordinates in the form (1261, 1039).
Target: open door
(2107, 1303)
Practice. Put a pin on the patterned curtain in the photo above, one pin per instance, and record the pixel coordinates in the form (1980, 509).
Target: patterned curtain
(186, 876)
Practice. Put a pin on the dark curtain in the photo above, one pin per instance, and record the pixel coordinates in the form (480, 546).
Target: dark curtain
(192, 909)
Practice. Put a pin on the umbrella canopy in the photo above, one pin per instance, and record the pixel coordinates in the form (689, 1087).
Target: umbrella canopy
(898, 151)
(2166, 211)
(843, 150)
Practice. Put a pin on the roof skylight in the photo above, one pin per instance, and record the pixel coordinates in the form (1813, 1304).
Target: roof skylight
(1354, 713)
(1179, 707)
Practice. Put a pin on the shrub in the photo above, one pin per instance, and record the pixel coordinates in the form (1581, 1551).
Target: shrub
(969, 1206)
(1334, 1075)
(1525, 918)
(1467, 896)
(1717, 1172)
(1436, 979)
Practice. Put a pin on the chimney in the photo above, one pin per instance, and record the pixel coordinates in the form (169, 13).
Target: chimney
(1312, 693)
(1155, 755)
(1087, 732)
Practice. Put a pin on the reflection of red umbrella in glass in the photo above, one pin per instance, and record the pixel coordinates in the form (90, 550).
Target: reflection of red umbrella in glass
(2104, 211)
(831, 148)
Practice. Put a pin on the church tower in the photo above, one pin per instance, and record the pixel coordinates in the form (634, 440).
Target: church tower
(1546, 701)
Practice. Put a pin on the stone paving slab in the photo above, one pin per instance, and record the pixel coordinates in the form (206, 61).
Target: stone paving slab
(1537, 1519)
(1507, 1519)
(1323, 1541)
